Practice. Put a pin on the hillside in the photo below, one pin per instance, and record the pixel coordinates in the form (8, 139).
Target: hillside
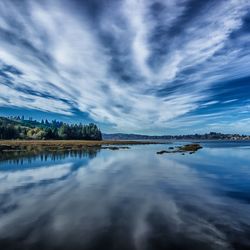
(19, 128)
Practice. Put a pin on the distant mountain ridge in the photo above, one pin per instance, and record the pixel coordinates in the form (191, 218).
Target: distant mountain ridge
(207, 136)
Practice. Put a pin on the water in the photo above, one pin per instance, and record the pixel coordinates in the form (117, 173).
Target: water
(127, 199)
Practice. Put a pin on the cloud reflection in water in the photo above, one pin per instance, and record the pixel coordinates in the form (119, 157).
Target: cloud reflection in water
(119, 200)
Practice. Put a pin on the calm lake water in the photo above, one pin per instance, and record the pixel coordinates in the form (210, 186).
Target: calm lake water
(127, 199)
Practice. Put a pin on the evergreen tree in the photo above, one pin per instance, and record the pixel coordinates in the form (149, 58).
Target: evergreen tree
(17, 128)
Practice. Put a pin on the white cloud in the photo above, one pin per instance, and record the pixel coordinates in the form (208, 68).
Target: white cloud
(52, 43)
(230, 101)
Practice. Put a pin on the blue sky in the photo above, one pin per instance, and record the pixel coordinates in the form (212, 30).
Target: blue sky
(139, 66)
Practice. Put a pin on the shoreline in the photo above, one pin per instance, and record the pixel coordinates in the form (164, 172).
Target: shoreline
(100, 143)
(33, 147)
(74, 142)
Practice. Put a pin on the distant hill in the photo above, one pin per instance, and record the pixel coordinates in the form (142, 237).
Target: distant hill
(121, 136)
(20, 128)
(207, 136)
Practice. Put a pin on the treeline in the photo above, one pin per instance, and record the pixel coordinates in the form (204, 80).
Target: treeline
(19, 128)
(206, 136)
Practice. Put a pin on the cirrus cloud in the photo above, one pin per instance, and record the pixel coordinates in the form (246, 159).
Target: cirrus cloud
(130, 64)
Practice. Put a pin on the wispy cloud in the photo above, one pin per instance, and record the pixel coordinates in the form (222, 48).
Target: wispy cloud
(128, 63)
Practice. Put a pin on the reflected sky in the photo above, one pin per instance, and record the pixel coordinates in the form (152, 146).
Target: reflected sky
(128, 199)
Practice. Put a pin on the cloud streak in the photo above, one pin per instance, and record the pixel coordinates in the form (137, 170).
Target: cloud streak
(125, 63)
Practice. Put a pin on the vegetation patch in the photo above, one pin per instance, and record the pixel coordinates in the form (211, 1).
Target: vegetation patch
(19, 128)
(189, 148)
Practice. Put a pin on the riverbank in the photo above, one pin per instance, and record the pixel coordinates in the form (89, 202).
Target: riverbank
(15, 149)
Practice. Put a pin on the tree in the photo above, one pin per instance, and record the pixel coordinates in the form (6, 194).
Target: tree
(49, 134)
(63, 132)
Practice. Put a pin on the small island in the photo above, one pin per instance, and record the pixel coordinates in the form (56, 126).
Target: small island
(188, 148)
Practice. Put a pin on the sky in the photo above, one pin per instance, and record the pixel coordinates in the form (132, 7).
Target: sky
(133, 66)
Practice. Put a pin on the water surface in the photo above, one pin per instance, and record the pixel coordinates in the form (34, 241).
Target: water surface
(127, 199)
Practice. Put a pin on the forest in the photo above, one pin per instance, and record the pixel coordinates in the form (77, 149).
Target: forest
(21, 128)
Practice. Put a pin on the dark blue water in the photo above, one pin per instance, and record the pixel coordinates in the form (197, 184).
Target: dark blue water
(127, 199)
